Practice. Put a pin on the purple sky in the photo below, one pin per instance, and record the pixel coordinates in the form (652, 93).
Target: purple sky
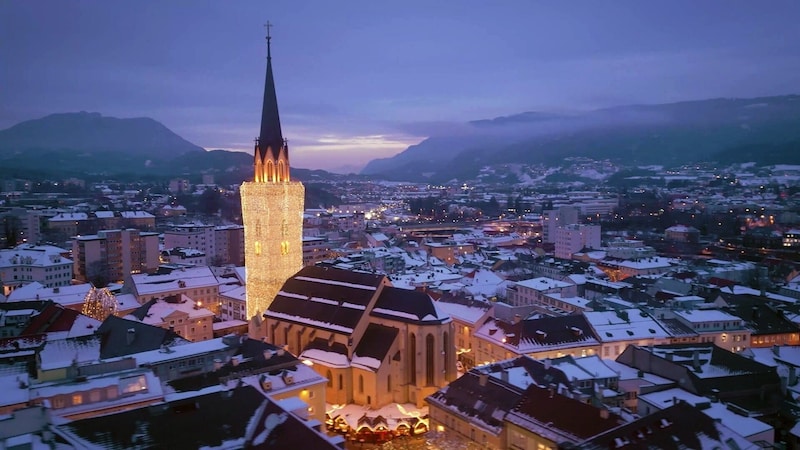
(358, 80)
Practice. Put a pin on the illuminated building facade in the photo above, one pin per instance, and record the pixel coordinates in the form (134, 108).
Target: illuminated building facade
(272, 212)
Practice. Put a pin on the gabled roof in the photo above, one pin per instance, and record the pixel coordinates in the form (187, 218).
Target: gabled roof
(115, 335)
(62, 353)
(327, 298)
(407, 306)
(274, 427)
(706, 369)
(374, 346)
(524, 371)
(624, 325)
(758, 315)
(333, 355)
(486, 400)
(541, 334)
(54, 318)
(216, 420)
(253, 357)
(677, 427)
(570, 419)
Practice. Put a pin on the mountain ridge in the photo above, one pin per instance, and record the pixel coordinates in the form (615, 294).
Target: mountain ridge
(85, 144)
(661, 133)
(91, 131)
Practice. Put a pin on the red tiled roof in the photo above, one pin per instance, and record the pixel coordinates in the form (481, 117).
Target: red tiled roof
(51, 319)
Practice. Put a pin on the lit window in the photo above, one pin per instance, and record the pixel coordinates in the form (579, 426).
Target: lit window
(132, 385)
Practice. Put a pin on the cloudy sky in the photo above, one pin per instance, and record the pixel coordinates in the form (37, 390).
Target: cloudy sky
(358, 80)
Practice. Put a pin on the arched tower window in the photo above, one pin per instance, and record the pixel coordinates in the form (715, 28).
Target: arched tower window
(361, 384)
(259, 177)
(412, 348)
(270, 170)
(329, 376)
(429, 359)
(447, 350)
(341, 382)
(281, 171)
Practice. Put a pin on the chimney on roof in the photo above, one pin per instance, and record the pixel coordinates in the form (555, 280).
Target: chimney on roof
(130, 336)
(504, 375)
(669, 356)
(547, 363)
(714, 397)
(696, 362)
(776, 350)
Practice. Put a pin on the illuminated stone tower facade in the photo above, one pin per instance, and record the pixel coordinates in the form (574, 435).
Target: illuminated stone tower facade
(272, 212)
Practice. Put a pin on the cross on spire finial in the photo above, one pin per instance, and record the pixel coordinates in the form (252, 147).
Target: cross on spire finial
(268, 26)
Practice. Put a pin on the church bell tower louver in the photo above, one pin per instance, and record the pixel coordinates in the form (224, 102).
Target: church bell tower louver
(272, 212)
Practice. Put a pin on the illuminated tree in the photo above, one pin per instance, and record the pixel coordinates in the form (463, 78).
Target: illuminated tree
(99, 303)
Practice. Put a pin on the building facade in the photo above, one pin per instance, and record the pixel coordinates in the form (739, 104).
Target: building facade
(552, 219)
(28, 263)
(575, 237)
(115, 254)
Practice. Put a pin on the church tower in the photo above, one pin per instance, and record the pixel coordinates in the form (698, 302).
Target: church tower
(272, 212)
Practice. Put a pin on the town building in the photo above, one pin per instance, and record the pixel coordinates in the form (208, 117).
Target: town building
(533, 291)
(616, 329)
(748, 386)
(552, 219)
(235, 417)
(140, 220)
(723, 329)
(229, 245)
(682, 233)
(315, 249)
(376, 344)
(177, 313)
(679, 426)
(73, 380)
(198, 284)
(767, 322)
(113, 255)
(448, 251)
(221, 244)
(467, 316)
(184, 257)
(573, 238)
(27, 222)
(517, 403)
(750, 428)
(545, 337)
(272, 213)
(27, 263)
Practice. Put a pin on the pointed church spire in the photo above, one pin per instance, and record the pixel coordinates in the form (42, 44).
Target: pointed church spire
(271, 152)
